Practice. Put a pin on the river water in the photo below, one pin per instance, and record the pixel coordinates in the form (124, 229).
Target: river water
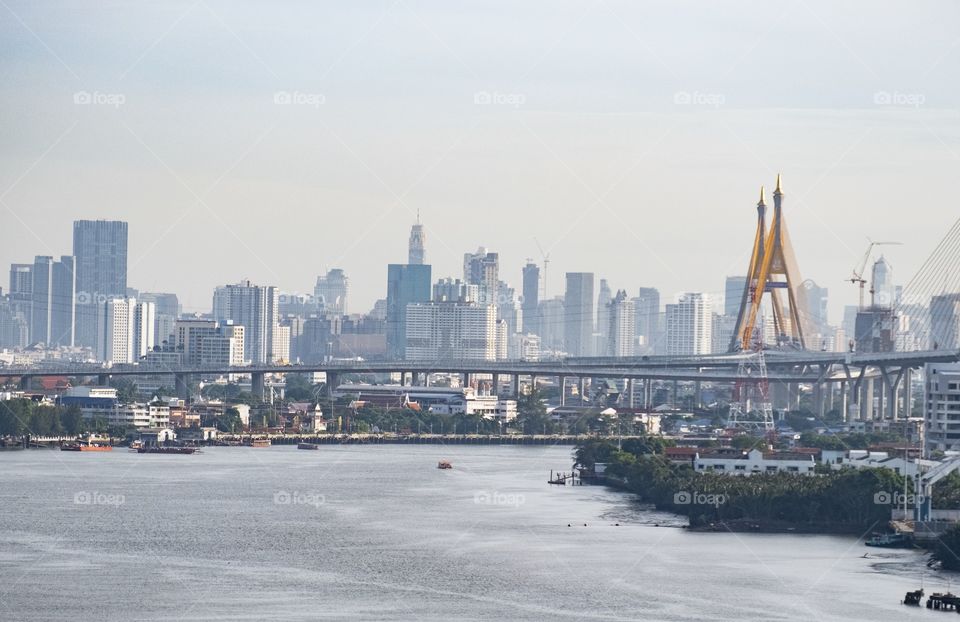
(379, 533)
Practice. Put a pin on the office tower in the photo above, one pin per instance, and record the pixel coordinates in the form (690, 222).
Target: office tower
(649, 324)
(483, 268)
(690, 325)
(167, 308)
(438, 331)
(14, 327)
(21, 289)
(945, 321)
(881, 284)
(722, 332)
(100, 252)
(455, 290)
(416, 253)
(52, 317)
(406, 284)
(621, 335)
(552, 326)
(509, 309)
(126, 329)
(604, 297)
(531, 298)
(256, 308)
(207, 342)
(501, 339)
(733, 294)
(578, 313)
(331, 293)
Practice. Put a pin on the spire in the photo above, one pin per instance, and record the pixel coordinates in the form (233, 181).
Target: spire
(418, 215)
(762, 202)
(778, 191)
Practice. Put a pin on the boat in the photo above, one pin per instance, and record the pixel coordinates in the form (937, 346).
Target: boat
(913, 598)
(444, 464)
(944, 602)
(153, 449)
(307, 446)
(258, 442)
(889, 540)
(87, 447)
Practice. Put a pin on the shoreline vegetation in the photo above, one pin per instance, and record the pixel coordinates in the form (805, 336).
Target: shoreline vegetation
(832, 501)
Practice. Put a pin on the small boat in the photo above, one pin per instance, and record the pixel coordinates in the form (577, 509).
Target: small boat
(259, 442)
(913, 598)
(444, 464)
(307, 446)
(87, 447)
(889, 540)
(152, 449)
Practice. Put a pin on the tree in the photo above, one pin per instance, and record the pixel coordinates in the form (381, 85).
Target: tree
(948, 547)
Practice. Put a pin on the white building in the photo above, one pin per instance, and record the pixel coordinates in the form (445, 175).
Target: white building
(256, 308)
(736, 462)
(524, 347)
(206, 342)
(941, 405)
(125, 330)
(690, 325)
(451, 330)
(621, 334)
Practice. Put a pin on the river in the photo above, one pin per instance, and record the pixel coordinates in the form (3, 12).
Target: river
(379, 533)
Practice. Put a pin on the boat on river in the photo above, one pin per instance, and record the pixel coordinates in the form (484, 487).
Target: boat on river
(85, 447)
(153, 449)
(889, 541)
(307, 446)
(444, 464)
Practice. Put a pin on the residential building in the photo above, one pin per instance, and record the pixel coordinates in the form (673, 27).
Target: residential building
(483, 269)
(941, 406)
(255, 308)
(531, 298)
(690, 325)
(578, 313)
(455, 290)
(649, 321)
(451, 330)
(126, 330)
(622, 321)
(207, 342)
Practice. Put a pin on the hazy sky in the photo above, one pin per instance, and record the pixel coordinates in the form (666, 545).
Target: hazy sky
(629, 138)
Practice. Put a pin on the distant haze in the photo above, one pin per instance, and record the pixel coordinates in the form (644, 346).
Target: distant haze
(273, 141)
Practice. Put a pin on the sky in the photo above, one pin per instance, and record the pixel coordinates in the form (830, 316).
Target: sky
(274, 141)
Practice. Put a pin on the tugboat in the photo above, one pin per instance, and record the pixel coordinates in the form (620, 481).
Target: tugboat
(444, 464)
(307, 446)
(889, 541)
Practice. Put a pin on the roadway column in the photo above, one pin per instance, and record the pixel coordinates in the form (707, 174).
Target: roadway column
(562, 381)
(182, 386)
(257, 385)
(630, 392)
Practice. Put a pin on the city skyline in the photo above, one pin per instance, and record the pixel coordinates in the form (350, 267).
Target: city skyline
(267, 182)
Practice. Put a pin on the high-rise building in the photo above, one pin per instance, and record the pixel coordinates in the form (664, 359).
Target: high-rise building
(552, 325)
(438, 331)
(331, 293)
(406, 284)
(621, 336)
(881, 284)
(578, 313)
(940, 416)
(167, 311)
(690, 325)
(454, 290)
(733, 294)
(945, 321)
(207, 342)
(531, 298)
(21, 288)
(126, 329)
(256, 308)
(483, 268)
(416, 253)
(52, 317)
(604, 297)
(14, 327)
(100, 251)
(649, 321)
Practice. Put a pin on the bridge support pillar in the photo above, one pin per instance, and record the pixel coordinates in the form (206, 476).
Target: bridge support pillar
(674, 391)
(426, 379)
(403, 379)
(583, 390)
(629, 392)
(182, 386)
(906, 394)
(865, 399)
(562, 381)
(258, 385)
(515, 386)
(496, 384)
(24, 383)
(103, 379)
(333, 380)
(697, 395)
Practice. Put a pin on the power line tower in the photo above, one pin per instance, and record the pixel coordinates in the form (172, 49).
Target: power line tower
(750, 408)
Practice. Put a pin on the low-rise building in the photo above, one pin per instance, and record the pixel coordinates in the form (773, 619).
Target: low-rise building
(739, 462)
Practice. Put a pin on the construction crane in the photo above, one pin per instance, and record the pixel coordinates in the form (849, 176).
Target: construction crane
(857, 278)
(546, 262)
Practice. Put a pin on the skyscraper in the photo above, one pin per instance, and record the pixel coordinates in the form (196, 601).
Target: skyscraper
(881, 283)
(167, 311)
(623, 325)
(256, 308)
(690, 325)
(531, 298)
(604, 297)
(649, 326)
(406, 284)
(451, 330)
(416, 253)
(100, 251)
(126, 330)
(331, 292)
(483, 268)
(53, 286)
(20, 295)
(733, 294)
(578, 313)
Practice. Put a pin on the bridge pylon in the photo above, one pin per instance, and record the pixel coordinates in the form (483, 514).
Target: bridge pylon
(772, 268)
